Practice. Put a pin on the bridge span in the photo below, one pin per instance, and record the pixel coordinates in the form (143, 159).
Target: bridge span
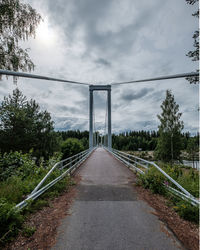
(107, 213)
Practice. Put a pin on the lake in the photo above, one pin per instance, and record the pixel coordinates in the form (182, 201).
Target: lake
(192, 164)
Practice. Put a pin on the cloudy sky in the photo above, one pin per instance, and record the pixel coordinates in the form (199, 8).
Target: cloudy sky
(106, 41)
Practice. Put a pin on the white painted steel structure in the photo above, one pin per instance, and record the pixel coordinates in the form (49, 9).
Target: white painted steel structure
(93, 88)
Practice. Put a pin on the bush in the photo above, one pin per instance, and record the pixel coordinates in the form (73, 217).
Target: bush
(20, 175)
(153, 180)
(71, 147)
(189, 179)
(187, 211)
(15, 163)
(28, 231)
(10, 219)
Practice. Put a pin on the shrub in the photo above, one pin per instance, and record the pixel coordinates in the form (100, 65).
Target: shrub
(187, 211)
(71, 147)
(15, 163)
(28, 231)
(153, 180)
(20, 176)
(10, 219)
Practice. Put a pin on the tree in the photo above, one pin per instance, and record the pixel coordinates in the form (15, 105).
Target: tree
(192, 149)
(23, 126)
(70, 147)
(169, 141)
(18, 21)
(195, 53)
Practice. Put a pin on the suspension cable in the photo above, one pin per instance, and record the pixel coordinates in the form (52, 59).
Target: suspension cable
(26, 75)
(192, 74)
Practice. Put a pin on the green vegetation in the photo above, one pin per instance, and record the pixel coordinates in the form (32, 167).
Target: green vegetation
(153, 180)
(70, 147)
(134, 140)
(17, 181)
(18, 21)
(189, 179)
(187, 211)
(169, 141)
(82, 136)
(28, 231)
(194, 55)
(147, 141)
(24, 127)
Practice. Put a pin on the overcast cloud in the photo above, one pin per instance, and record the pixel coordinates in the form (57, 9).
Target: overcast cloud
(106, 41)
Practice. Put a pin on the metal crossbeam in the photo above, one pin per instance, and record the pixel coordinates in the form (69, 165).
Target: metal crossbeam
(26, 75)
(159, 78)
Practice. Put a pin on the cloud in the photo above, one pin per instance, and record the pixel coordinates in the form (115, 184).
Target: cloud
(134, 96)
(106, 41)
(103, 62)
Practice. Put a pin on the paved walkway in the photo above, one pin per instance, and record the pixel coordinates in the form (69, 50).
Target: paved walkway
(107, 214)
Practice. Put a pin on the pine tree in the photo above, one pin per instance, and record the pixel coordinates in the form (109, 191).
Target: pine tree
(170, 141)
(23, 126)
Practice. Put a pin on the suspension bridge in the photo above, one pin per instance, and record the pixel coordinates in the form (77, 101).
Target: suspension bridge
(107, 212)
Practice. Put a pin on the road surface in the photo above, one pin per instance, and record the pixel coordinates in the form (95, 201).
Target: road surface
(107, 214)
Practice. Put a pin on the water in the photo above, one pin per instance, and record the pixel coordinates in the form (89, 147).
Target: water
(192, 164)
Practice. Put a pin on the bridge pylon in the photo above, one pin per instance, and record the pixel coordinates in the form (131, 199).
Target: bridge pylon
(93, 88)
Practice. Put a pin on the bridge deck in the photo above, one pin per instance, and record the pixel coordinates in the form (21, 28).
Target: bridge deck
(107, 213)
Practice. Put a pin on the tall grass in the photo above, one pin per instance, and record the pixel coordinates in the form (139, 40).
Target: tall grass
(18, 176)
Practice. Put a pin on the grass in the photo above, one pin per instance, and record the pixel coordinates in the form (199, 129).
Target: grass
(16, 182)
(189, 179)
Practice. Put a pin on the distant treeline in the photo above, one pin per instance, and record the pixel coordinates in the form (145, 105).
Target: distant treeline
(145, 140)
(128, 141)
(135, 140)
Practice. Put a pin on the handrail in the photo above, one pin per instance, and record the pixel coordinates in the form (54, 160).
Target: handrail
(129, 160)
(54, 167)
(80, 157)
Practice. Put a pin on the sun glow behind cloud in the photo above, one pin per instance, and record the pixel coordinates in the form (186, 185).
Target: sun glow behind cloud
(45, 34)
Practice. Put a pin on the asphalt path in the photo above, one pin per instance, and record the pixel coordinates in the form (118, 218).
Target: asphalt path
(107, 213)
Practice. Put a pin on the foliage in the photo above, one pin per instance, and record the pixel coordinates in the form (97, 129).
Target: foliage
(192, 148)
(153, 180)
(10, 219)
(83, 136)
(187, 178)
(28, 231)
(15, 163)
(18, 21)
(187, 211)
(22, 175)
(23, 126)
(145, 140)
(170, 140)
(133, 140)
(71, 147)
(194, 55)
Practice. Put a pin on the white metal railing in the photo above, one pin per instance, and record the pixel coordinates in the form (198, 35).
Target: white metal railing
(134, 162)
(71, 163)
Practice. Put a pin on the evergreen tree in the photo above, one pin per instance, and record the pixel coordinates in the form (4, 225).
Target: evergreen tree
(169, 142)
(23, 126)
(18, 21)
